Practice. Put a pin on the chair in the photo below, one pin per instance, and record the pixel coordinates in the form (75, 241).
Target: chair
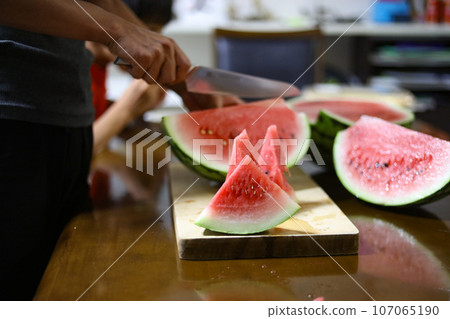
(281, 56)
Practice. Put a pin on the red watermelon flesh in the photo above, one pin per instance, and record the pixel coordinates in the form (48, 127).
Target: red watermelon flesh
(349, 109)
(387, 164)
(240, 150)
(270, 160)
(248, 202)
(225, 124)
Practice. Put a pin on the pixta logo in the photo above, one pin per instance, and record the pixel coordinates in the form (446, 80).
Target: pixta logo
(147, 147)
(147, 151)
(210, 150)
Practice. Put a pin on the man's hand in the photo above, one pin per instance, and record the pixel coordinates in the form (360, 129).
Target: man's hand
(153, 57)
(156, 55)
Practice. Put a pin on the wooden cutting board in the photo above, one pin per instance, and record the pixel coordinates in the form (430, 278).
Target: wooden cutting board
(319, 228)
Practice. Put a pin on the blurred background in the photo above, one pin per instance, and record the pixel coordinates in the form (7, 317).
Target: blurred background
(397, 47)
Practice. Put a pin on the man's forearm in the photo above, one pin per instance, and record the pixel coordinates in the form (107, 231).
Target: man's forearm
(64, 18)
(153, 57)
(118, 8)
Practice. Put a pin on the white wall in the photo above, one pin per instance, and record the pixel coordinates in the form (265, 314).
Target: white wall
(340, 8)
(217, 9)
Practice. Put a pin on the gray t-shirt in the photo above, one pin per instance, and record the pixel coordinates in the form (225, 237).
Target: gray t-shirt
(44, 79)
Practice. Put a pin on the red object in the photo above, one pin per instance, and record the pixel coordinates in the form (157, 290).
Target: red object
(446, 11)
(100, 188)
(98, 76)
(100, 180)
(435, 11)
(319, 299)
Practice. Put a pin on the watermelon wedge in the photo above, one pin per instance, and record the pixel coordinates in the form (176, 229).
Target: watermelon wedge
(387, 164)
(202, 140)
(270, 162)
(248, 202)
(241, 148)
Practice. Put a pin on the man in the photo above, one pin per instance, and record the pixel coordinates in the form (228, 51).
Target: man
(46, 117)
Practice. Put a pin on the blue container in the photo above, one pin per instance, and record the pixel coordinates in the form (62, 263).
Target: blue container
(391, 11)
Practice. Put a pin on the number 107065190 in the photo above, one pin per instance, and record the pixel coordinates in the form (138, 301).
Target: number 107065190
(417, 310)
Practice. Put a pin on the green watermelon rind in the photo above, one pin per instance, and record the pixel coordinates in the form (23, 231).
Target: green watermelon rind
(329, 124)
(285, 213)
(219, 172)
(197, 168)
(324, 145)
(322, 140)
(430, 194)
(188, 161)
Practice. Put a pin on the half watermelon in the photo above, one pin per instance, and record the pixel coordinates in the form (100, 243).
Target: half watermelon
(248, 202)
(203, 140)
(387, 164)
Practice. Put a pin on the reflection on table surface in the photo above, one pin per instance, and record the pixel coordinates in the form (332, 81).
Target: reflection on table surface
(403, 255)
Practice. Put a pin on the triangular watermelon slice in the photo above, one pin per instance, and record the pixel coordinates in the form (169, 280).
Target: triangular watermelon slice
(248, 202)
(271, 163)
(241, 146)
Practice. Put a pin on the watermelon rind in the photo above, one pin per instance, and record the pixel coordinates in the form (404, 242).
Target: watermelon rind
(199, 169)
(217, 171)
(324, 144)
(287, 210)
(330, 124)
(439, 189)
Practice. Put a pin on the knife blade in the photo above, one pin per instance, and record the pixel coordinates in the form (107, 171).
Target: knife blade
(216, 81)
(201, 79)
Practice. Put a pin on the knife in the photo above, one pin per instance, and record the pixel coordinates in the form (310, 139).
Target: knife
(201, 79)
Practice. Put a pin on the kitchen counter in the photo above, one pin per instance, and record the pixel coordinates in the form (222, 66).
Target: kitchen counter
(126, 250)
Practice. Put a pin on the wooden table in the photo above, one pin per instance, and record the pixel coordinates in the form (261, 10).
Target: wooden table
(125, 250)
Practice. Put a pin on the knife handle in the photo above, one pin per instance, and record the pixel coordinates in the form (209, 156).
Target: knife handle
(120, 61)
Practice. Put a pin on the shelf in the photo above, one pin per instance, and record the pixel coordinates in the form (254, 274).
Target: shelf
(417, 81)
(398, 62)
(423, 87)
